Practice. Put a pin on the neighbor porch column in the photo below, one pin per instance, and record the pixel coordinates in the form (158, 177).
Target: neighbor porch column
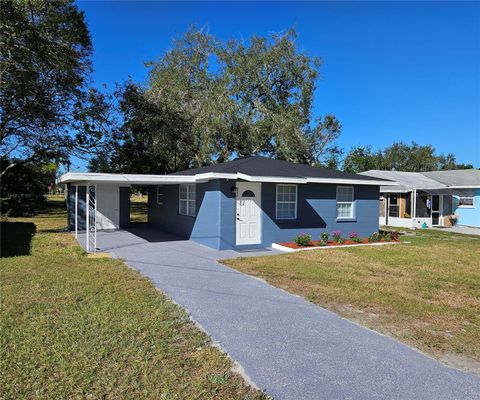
(414, 209)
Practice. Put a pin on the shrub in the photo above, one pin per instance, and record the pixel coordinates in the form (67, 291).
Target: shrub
(390, 235)
(354, 237)
(337, 237)
(324, 237)
(323, 242)
(304, 239)
(374, 237)
(386, 236)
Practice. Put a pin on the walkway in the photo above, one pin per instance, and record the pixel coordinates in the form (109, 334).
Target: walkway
(289, 347)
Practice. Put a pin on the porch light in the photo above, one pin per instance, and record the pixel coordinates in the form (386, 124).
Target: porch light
(234, 191)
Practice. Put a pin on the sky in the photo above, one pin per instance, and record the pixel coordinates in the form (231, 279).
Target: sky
(391, 71)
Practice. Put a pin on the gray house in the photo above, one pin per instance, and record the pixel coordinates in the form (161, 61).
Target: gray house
(249, 202)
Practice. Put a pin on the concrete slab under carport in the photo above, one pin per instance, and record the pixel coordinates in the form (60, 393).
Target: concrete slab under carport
(287, 346)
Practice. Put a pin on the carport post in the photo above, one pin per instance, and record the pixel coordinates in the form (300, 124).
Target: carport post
(76, 211)
(95, 206)
(88, 218)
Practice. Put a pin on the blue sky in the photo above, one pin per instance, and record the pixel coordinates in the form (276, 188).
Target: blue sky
(392, 71)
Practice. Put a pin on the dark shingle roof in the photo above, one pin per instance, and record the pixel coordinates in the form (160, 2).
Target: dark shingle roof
(263, 166)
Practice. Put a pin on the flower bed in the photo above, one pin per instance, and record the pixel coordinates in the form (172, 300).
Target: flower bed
(304, 241)
(316, 243)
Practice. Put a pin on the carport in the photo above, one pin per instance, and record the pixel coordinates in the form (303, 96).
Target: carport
(101, 202)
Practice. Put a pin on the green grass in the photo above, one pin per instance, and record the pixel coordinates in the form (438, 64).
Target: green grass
(76, 327)
(139, 209)
(425, 293)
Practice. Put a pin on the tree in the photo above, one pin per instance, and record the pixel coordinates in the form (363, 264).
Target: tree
(47, 111)
(400, 157)
(207, 100)
(273, 84)
(361, 159)
(333, 159)
(24, 188)
(449, 162)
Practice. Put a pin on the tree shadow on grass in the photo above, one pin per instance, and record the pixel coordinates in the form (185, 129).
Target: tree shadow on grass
(16, 238)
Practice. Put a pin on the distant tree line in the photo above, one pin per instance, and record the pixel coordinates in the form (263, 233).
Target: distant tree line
(206, 100)
(399, 157)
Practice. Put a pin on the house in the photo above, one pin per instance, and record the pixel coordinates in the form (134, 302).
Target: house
(249, 202)
(466, 200)
(437, 198)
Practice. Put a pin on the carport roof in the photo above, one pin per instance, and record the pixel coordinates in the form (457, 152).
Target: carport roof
(252, 168)
(447, 182)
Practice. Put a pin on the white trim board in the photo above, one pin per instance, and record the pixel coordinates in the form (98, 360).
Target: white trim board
(139, 179)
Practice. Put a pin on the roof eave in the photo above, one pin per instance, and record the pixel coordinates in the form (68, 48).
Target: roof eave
(138, 179)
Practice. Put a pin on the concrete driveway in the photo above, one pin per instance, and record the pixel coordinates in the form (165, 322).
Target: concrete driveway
(287, 346)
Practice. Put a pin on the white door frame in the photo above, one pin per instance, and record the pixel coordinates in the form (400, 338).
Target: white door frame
(439, 211)
(256, 188)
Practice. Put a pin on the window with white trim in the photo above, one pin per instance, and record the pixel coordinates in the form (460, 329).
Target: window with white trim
(465, 201)
(344, 202)
(286, 202)
(160, 195)
(186, 200)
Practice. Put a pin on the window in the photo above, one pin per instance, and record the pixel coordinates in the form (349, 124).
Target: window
(248, 193)
(465, 201)
(286, 201)
(344, 202)
(160, 195)
(186, 202)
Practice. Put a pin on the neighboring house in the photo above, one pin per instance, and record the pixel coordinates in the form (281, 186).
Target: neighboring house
(248, 202)
(466, 201)
(437, 198)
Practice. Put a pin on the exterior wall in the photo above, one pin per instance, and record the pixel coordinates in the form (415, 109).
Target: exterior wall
(470, 216)
(124, 204)
(397, 222)
(214, 224)
(317, 212)
(82, 193)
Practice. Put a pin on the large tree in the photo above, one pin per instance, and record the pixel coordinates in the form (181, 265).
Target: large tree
(208, 100)
(47, 111)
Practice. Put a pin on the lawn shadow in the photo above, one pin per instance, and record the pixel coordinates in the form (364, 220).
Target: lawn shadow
(16, 238)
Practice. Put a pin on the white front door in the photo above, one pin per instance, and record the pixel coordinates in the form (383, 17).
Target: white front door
(248, 213)
(107, 206)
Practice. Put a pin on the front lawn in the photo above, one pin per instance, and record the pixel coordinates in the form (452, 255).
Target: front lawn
(75, 326)
(425, 293)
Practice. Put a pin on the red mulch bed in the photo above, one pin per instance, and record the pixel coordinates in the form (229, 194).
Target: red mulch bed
(315, 243)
